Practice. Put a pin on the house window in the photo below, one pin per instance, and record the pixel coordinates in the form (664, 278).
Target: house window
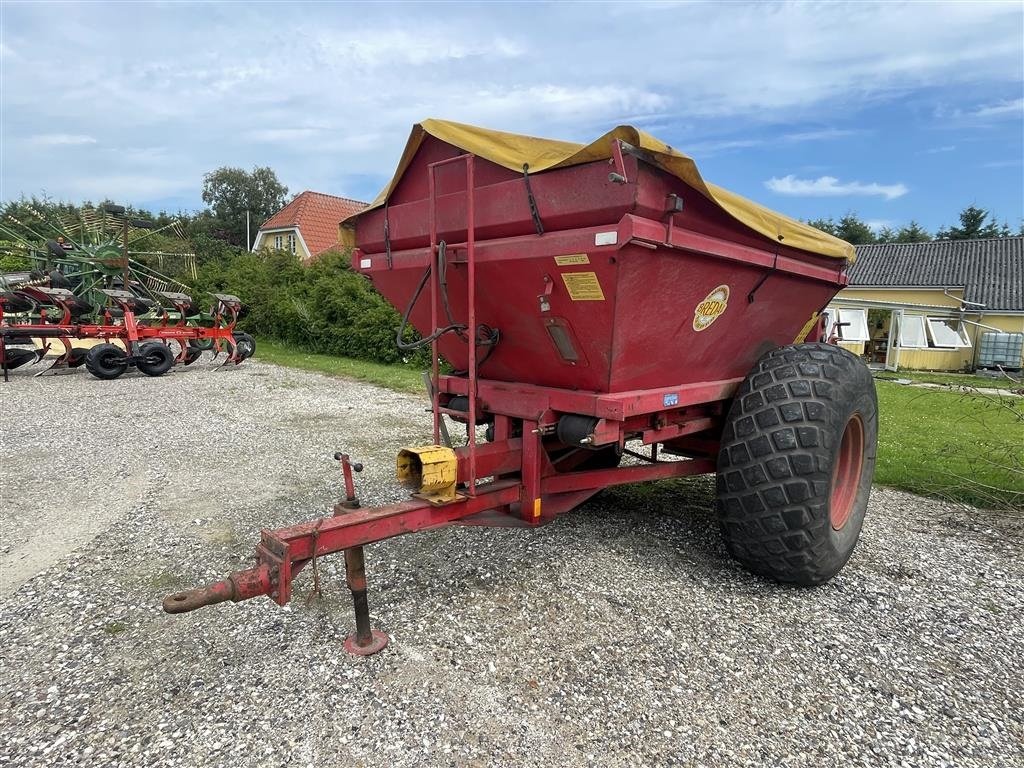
(278, 242)
(291, 244)
(948, 333)
(912, 333)
(852, 324)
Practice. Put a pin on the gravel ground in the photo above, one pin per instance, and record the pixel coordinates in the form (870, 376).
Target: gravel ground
(618, 635)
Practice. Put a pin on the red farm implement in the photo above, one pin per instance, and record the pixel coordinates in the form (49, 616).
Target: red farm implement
(91, 297)
(597, 302)
(56, 318)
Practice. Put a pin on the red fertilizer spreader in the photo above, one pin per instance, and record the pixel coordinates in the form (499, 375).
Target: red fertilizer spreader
(595, 303)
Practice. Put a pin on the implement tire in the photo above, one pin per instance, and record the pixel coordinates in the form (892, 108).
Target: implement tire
(245, 343)
(106, 361)
(796, 462)
(155, 359)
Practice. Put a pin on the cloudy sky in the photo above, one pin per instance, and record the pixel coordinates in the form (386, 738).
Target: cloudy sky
(894, 111)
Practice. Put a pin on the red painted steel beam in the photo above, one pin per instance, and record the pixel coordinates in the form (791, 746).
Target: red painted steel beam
(284, 552)
(603, 478)
(685, 239)
(529, 401)
(116, 331)
(364, 526)
(497, 458)
(672, 431)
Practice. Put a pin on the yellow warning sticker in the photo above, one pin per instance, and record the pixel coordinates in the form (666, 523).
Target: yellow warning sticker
(583, 286)
(572, 260)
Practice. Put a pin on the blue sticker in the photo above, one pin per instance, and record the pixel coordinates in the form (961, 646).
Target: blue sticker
(670, 400)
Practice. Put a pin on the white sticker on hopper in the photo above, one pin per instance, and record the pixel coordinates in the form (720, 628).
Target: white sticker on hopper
(365, 263)
(606, 238)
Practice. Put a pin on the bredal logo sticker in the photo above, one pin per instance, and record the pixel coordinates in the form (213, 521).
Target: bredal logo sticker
(708, 310)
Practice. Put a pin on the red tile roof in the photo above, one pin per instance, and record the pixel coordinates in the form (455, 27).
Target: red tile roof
(317, 216)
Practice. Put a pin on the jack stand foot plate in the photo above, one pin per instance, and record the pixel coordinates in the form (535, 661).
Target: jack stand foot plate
(378, 642)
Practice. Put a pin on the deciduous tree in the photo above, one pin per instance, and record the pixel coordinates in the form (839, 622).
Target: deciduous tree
(230, 192)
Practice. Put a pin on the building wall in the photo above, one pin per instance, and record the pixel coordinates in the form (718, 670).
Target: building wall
(936, 359)
(266, 240)
(933, 302)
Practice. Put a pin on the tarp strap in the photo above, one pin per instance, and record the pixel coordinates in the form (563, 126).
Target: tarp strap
(537, 223)
(765, 276)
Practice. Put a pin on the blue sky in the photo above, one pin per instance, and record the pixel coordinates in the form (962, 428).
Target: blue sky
(894, 111)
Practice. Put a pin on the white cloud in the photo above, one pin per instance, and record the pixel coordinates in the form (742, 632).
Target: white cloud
(877, 225)
(700, 149)
(283, 135)
(329, 95)
(1002, 109)
(60, 140)
(559, 102)
(413, 47)
(938, 150)
(980, 115)
(716, 146)
(830, 186)
(821, 135)
(126, 186)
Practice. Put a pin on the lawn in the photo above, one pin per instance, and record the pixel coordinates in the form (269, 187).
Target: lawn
(949, 444)
(956, 379)
(396, 377)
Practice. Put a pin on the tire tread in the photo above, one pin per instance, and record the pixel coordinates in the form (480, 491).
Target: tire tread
(775, 461)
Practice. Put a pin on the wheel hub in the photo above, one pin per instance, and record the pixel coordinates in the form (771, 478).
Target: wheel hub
(847, 472)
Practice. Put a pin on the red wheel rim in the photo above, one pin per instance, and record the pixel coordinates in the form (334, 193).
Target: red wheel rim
(847, 472)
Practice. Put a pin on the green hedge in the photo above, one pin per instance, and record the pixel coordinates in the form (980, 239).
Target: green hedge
(323, 307)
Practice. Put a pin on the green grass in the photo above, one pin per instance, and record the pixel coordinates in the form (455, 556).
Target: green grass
(953, 445)
(396, 377)
(953, 379)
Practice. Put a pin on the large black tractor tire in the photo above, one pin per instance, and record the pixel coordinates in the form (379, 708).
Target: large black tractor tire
(106, 361)
(796, 462)
(245, 343)
(155, 359)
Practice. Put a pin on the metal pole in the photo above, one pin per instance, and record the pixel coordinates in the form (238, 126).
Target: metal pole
(124, 235)
(248, 241)
(434, 378)
(365, 640)
(355, 572)
(471, 279)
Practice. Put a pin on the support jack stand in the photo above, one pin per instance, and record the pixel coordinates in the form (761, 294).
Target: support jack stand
(364, 641)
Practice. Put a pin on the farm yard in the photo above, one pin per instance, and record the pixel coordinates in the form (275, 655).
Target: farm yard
(621, 634)
(686, 338)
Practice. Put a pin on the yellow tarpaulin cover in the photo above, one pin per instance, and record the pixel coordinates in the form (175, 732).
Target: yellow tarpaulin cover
(512, 150)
